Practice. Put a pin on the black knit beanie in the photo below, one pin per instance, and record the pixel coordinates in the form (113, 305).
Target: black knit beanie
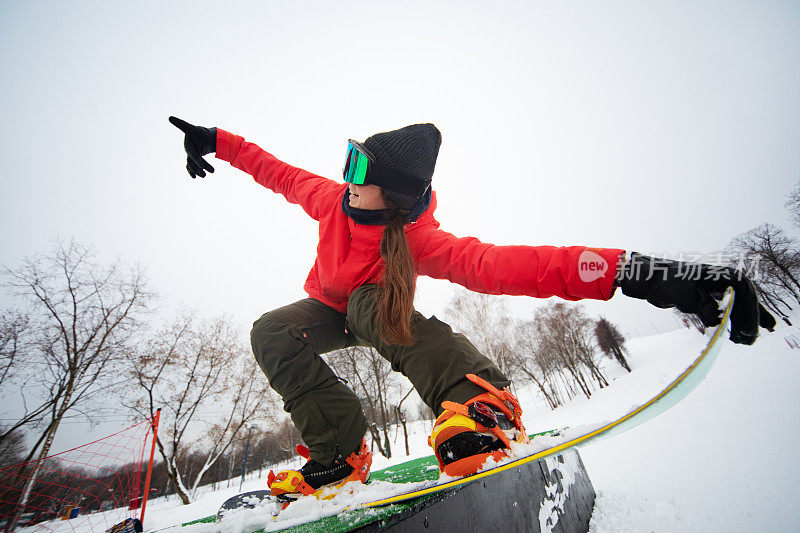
(411, 150)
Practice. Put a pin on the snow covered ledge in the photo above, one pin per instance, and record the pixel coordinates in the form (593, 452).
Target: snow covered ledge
(552, 494)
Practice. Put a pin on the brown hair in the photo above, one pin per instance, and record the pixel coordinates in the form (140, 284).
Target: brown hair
(395, 298)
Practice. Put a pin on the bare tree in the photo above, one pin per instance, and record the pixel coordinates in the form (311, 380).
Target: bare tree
(611, 341)
(14, 373)
(81, 316)
(772, 260)
(529, 362)
(401, 418)
(559, 339)
(580, 339)
(793, 204)
(270, 446)
(424, 412)
(191, 369)
(485, 320)
(690, 320)
(12, 450)
(559, 342)
(13, 327)
(284, 440)
(374, 382)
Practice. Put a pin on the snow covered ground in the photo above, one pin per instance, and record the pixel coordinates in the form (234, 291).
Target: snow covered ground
(724, 459)
(721, 460)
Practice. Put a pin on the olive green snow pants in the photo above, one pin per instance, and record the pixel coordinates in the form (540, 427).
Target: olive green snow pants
(288, 342)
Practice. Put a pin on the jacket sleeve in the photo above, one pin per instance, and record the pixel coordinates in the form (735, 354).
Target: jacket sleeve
(297, 185)
(572, 272)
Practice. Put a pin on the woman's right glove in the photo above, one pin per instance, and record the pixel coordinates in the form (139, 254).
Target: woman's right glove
(695, 288)
(198, 142)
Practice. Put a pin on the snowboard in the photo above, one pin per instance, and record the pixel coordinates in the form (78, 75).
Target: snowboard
(414, 480)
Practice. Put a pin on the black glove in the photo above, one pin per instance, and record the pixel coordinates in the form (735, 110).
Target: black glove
(198, 142)
(695, 288)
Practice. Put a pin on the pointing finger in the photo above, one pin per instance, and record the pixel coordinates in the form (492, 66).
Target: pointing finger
(180, 124)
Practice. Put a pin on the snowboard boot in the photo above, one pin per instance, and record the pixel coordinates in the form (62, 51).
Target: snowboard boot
(465, 436)
(314, 478)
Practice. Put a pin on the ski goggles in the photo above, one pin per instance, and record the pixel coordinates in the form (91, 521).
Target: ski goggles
(357, 163)
(360, 168)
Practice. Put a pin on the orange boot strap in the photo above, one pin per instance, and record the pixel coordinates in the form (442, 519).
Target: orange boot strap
(462, 409)
(510, 406)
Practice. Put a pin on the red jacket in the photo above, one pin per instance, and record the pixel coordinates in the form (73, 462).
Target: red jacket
(348, 254)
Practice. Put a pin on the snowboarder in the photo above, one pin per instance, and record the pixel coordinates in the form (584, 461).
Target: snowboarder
(377, 233)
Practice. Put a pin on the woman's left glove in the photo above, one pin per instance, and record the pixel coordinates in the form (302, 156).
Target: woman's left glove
(198, 142)
(696, 288)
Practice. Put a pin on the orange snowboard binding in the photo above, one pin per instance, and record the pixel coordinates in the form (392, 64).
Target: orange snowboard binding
(465, 436)
(313, 478)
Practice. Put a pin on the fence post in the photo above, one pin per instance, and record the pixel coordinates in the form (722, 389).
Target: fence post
(244, 464)
(150, 465)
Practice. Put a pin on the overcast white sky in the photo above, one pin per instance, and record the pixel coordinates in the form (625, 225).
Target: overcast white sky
(653, 126)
